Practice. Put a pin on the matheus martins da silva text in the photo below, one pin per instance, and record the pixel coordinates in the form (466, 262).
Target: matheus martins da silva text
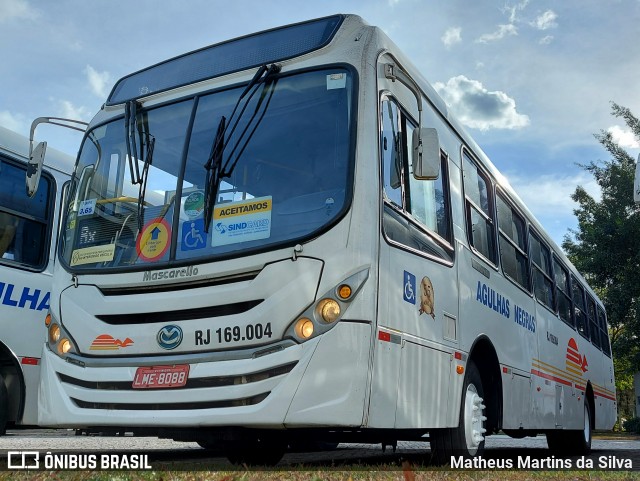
(551, 462)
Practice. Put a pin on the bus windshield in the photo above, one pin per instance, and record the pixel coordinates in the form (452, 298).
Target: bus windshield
(139, 189)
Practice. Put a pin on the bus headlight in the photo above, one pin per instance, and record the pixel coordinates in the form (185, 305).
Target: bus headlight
(329, 310)
(54, 333)
(322, 315)
(304, 328)
(58, 340)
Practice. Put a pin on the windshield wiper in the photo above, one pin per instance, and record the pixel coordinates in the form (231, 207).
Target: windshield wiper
(133, 127)
(216, 167)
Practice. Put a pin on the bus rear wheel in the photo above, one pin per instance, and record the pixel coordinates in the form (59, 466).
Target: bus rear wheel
(574, 442)
(466, 440)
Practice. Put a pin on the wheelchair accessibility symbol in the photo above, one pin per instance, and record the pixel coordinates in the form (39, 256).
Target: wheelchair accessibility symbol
(193, 235)
(409, 293)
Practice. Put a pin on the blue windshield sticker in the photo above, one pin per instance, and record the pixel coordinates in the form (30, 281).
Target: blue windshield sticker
(193, 235)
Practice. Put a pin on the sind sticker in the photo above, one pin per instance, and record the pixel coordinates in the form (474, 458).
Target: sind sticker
(242, 221)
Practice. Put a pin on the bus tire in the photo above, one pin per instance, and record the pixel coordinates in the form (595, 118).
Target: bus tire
(573, 442)
(466, 440)
(255, 452)
(4, 407)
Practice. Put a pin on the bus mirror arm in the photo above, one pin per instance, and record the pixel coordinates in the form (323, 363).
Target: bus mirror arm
(426, 147)
(36, 155)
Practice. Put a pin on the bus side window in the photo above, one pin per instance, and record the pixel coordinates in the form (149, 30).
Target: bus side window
(604, 332)
(579, 311)
(563, 298)
(23, 221)
(513, 247)
(479, 207)
(593, 323)
(420, 207)
(391, 144)
(542, 274)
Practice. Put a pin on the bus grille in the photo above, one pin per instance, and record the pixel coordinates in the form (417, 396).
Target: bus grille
(249, 401)
(194, 383)
(179, 315)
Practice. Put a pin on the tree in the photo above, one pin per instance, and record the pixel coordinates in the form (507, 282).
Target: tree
(606, 246)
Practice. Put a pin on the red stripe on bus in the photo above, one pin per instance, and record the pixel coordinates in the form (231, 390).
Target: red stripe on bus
(550, 377)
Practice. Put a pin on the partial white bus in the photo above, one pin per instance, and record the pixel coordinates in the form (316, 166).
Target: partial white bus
(28, 231)
(288, 236)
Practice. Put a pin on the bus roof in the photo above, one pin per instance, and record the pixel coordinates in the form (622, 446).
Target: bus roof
(17, 145)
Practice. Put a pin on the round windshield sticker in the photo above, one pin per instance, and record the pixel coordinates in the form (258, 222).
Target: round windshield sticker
(154, 240)
(194, 204)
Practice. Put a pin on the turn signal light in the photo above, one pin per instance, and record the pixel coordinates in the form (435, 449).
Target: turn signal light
(47, 320)
(344, 292)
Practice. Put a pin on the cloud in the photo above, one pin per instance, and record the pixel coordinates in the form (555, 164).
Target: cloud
(545, 21)
(452, 36)
(624, 138)
(12, 122)
(98, 81)
(503, 31)
(70, 111)
(546, 40)
(16, 10)
(512, 10)
(478, 108)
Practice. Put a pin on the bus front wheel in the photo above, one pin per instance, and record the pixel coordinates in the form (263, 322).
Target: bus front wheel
(466, 440)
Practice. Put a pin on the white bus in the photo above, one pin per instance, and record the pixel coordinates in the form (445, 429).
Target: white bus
(28, 231)
(288, 236)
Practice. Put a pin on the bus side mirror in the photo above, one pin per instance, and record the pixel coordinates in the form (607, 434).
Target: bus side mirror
(426, 154)
(636, 183)
(34, 168)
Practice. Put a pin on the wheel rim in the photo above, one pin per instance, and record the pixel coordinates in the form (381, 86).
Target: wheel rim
(587, 425)
(473, 419)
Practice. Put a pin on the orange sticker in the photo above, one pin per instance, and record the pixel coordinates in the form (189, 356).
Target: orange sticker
(154, 240)
(105, 342)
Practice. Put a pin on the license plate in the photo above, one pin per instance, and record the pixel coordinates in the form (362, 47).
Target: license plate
(157, 377)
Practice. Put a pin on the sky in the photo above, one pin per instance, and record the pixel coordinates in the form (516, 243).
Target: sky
(531, 80)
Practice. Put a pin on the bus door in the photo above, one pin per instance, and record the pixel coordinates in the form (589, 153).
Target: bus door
(418, 293)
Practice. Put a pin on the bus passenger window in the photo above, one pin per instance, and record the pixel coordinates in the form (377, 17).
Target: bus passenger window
(579, 310)
(563, 299)
(593, 323)
(479, 206)
(542, 274)
(23, 221)
(513, 248)
(604, 332)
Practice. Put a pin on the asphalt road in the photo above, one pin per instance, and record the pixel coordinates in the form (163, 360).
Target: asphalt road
(501, 452)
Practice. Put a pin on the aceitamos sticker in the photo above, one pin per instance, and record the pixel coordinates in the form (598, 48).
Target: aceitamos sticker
(242, 221)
